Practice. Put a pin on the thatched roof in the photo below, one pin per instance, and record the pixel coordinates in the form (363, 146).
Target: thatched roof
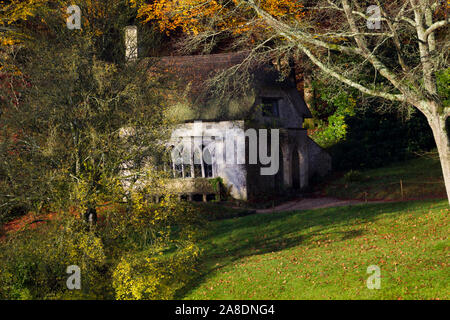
(193, 72)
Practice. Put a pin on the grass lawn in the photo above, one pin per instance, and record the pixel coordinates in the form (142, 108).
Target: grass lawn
(324, 254)
(421, 178)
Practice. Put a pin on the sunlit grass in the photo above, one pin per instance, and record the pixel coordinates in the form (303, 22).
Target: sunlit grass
(324, 254)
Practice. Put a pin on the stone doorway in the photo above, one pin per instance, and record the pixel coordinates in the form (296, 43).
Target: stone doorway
(295, 163)
(279, 180)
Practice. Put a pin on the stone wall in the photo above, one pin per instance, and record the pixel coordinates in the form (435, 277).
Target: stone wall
(290, 117)
(233, 174)
(319, 159)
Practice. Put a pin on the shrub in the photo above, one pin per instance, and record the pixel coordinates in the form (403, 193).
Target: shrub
(162, 238)
(153, 275)
(330, 109)
(139, 250)
(353, 176)
(33, 263)
(374, 140)
(155, 246)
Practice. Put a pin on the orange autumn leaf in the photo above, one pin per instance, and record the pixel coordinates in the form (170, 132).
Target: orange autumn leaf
(194, 16)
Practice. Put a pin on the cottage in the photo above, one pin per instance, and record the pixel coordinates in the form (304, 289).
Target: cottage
(255, 141)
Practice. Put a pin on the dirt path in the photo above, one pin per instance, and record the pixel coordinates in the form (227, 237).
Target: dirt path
(311, 203)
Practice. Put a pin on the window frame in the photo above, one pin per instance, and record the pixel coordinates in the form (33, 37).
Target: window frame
(274, 103)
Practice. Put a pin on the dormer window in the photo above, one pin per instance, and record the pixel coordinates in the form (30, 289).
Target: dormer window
(270, 107)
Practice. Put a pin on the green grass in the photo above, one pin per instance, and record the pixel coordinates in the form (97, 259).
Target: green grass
(215, 211)
(324, 254)
(421, 179)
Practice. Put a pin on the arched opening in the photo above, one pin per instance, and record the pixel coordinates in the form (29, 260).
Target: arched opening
(167, 163)
(198, 163)
(295, 169)
(207, 163)
(447, 126)
(177, 162)
(279, 180)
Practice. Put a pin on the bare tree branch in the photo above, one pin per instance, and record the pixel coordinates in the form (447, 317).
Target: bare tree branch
(435, 26)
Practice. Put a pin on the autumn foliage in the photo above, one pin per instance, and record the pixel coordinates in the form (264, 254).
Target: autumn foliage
(192, 16)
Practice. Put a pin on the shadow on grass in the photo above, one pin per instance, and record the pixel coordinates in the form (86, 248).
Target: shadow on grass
(419, 178)
(257, 234)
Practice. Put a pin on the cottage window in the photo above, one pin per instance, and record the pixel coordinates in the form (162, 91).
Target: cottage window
(270, 107)
(178, 170)
(198, 172)
(187, 170)
(207, 163)
(200, 166)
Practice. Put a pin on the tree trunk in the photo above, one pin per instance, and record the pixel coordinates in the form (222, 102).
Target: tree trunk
(441, 136)
(76, 142)
(308, 96)
(308, 92)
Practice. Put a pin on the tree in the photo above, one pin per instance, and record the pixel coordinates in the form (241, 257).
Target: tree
(394, 50)
(62, 135)
(79, 125)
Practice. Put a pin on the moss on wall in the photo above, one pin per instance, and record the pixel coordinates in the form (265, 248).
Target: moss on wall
(189, 185)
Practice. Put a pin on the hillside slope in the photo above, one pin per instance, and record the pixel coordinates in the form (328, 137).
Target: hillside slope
(325, 253)
(415, 179)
